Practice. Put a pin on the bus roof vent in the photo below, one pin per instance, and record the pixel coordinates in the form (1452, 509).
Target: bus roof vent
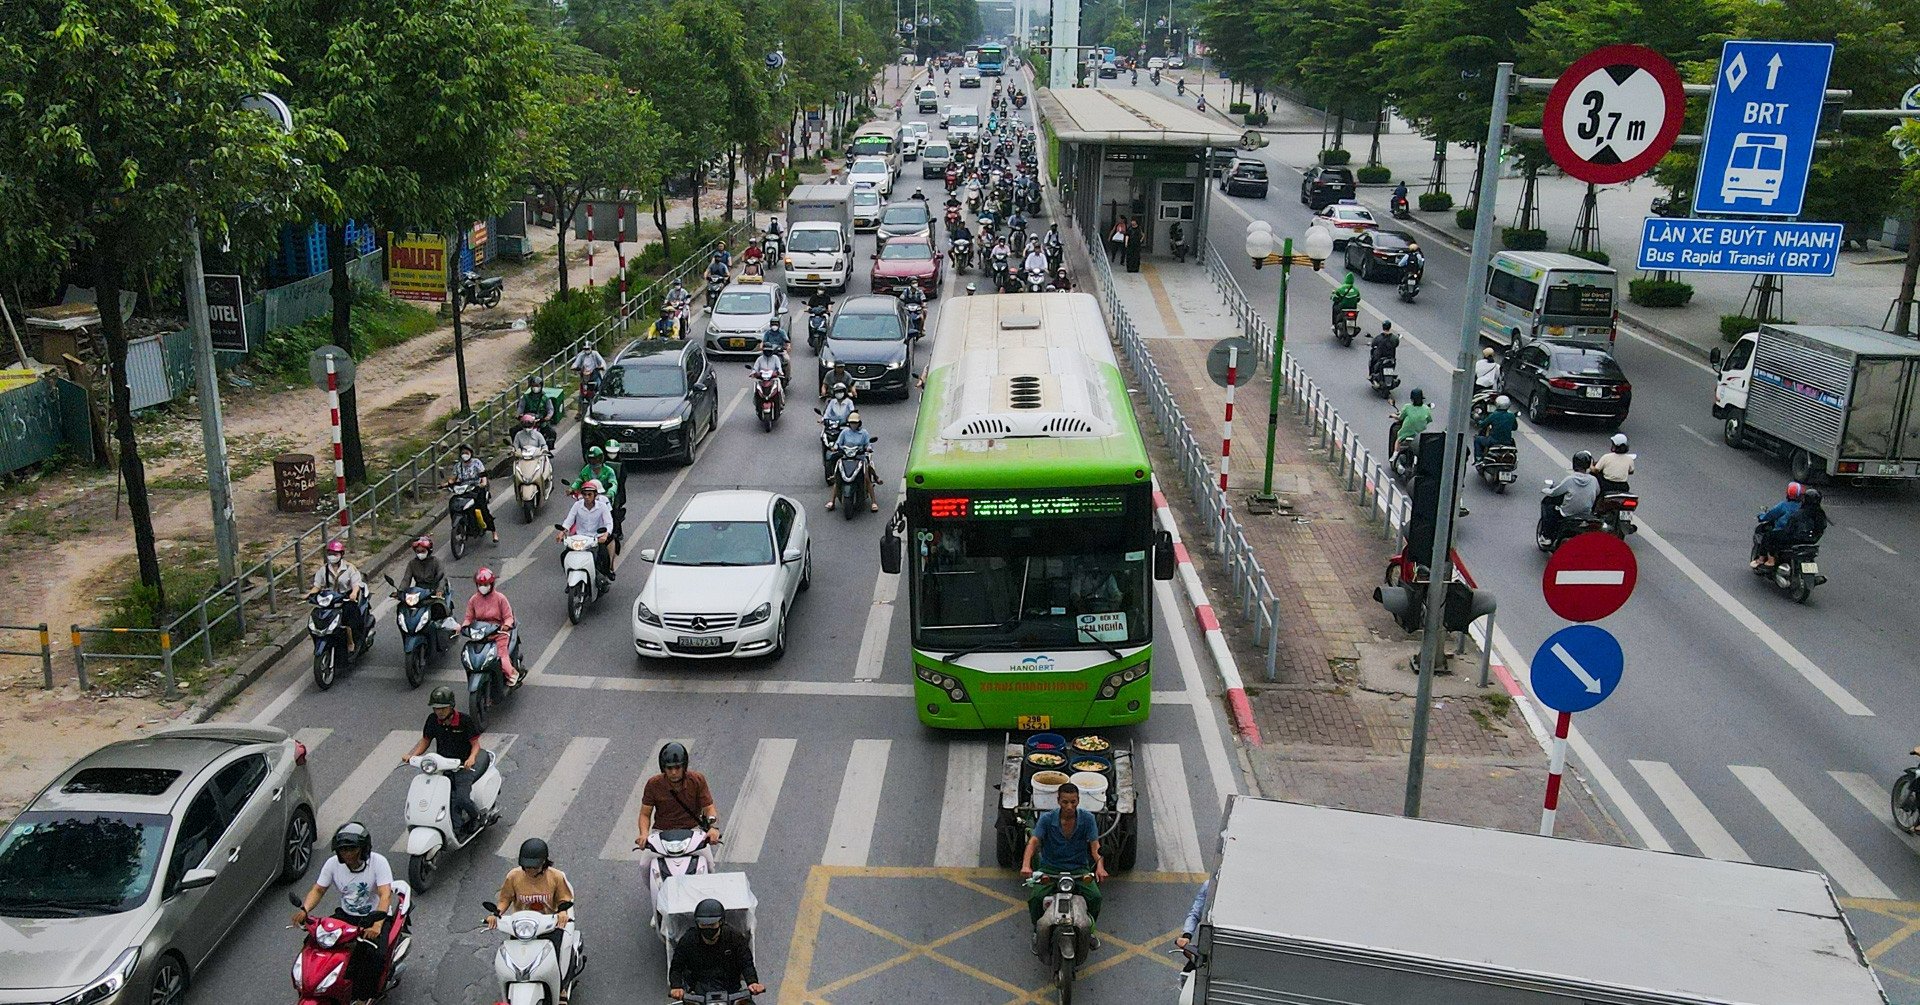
(986, 427)
(1025, 392)
(1019, 322)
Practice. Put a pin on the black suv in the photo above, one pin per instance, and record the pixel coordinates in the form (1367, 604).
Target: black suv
(1245, 177)
(1552, 378)
(658, 398)
(1321, 187)
(869, 338)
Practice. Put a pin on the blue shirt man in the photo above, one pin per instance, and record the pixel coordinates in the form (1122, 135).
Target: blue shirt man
(1065, 840)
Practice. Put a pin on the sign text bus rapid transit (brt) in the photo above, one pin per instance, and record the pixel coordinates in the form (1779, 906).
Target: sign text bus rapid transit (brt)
(1753, 247)
(1758, 143)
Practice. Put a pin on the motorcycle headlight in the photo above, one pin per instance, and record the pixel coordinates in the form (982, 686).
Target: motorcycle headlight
(326, 937)
(757, 615)
(644, 614)
(526, 929)
(412, 600)
(329, 980)
(109, 983)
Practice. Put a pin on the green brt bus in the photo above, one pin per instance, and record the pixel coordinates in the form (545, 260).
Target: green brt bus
(1029, 539)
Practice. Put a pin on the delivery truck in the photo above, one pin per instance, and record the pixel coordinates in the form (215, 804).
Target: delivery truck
(1836, 401)
(819, 237)
(1339, 907)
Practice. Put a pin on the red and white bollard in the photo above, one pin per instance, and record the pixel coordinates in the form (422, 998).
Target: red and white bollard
(339, 456)
(620, 252)
(1226, 428)
(1557, 765)
(589, 245)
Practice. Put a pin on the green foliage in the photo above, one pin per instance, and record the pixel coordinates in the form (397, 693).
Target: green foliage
(1446, 49)
(1464, 217)
(562, 319)
(1335, 157)
(1374, 174)
(1595, 255)
(770, 192)
(588, 134)
(1239, 108)
(1515, 239)
(1435, 202)
(1732, 326)
(378, 321)
(1256, 118)
(1659, 292)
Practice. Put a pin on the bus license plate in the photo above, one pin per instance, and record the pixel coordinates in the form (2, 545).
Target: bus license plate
(1029, 722)
(702, 641)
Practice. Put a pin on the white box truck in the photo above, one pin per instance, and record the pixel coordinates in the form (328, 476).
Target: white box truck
(1837, 401)
(819, 237)
(1337, 907)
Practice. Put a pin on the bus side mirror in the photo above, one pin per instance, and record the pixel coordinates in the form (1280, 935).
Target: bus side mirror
(1164, 563)
(890, 553)
(1714, 357)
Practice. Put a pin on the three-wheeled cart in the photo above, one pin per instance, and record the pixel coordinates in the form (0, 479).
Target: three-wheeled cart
(1118, 820)
(679, 895)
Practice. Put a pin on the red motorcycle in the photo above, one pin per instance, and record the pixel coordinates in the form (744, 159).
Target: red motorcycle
(320, 972)
(953, 217)
(768, 397)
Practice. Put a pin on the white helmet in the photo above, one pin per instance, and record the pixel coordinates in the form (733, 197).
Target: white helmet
(1619, 443)
(1503, 403)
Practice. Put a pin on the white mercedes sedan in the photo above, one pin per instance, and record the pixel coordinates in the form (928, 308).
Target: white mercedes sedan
(726, 578)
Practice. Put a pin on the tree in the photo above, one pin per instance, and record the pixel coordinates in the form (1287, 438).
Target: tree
(430, 96)
(588, 134)
(1343, 66)
(124, 123)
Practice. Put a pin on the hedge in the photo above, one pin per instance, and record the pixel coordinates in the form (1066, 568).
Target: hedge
(1515, 239)
(1464, 217)
(1256, 118)
(1239, 108)
(1592, 256)
(1374, 174)
(563, 318)
(1335, 157)
(1732, 326)
(1436, 202)
(1659, 293)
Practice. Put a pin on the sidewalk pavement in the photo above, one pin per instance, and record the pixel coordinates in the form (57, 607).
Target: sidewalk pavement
(1337, 719)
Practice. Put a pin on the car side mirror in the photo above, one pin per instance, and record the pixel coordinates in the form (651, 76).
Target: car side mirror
(1164, 561)
(195, 879)
(1714, 357)
(649, 555)
(791, 555)
(875, 256)
(890, 553)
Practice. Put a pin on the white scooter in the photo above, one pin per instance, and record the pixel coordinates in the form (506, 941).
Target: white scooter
(529, 972)
(584, 584)
(674, 853)
(532, 479)
(430, 827)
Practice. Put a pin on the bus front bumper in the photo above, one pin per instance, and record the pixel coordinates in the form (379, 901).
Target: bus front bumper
(1071, 704)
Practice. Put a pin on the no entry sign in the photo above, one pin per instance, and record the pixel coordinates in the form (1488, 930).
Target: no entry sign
(1590, 577)
(1613, 114)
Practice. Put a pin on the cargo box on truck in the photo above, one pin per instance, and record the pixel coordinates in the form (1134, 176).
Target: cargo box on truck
(819, 250)
(1837, 401)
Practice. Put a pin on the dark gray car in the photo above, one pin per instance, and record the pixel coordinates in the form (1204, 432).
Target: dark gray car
(131, 867)
(869, 338)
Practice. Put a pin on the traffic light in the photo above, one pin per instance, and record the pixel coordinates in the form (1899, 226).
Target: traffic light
(1408, 605)
(1465, 605)
(1406, 602)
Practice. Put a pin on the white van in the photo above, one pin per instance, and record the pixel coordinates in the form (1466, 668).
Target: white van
(1539, 294)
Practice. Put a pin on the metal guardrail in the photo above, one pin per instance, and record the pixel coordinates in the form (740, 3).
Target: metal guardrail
(280, 577)
(45, 652)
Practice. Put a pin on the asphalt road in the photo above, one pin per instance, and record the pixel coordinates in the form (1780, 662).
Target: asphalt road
(1747, 726)
(866, 837)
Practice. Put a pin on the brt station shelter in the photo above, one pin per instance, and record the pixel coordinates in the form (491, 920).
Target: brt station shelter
(1135, 154)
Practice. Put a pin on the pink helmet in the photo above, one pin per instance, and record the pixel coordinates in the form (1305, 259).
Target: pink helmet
(592, 485)
(337, 547)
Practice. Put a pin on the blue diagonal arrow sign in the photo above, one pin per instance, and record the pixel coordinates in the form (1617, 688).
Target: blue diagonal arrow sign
(1577, 668)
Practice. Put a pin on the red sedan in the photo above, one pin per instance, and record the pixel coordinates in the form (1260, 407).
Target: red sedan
(907, 259)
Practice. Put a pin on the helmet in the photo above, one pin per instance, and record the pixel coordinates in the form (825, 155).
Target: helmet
(709, 912)
(1619, 443)
(1386, 326)
(533, 854)
(1503, 403)
(336, 547)
(613, 448)
(484, 577)
(673, 755)
(464, 448)
(1417, 396)
(853, 419)
(423, 544)
(595, 454)
(1582, 461)
(529, 420)
(353, 834)
(1810, 497)
(1486, 353)
(1795, 491)
(536, 382)
(592, 485)
(442, 697)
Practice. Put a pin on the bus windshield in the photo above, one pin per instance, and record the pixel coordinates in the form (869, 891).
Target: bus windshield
(872, 146)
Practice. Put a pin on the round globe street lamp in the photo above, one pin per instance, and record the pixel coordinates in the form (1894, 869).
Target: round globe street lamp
(1317, 244)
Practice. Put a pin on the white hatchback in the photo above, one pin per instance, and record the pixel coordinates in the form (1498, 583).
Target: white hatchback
(872, 172)
(726, 578)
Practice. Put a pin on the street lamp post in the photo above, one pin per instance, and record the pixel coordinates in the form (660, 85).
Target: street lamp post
(1318, 245)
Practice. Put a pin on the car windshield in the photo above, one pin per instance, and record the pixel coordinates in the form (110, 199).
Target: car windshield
(71, 864)
(718, 542)
(1346, 214)
(744, 302)
(905, 214)
(866, 327)
(1246, 170)
(866, 199)
(870, 167)
(657, 380)
(1336, 176)
(1587, 364)
(938, 151)
(1390, 240)
(813, 240)
(872, 145)
(906, 251)
(967, 119)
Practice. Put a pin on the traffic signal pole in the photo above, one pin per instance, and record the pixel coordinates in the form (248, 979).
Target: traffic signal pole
(1434, 639)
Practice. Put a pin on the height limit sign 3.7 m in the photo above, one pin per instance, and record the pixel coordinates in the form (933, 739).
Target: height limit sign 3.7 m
(1613, 114)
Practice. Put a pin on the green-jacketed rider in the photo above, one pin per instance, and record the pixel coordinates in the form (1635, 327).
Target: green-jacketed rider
(1345, 297)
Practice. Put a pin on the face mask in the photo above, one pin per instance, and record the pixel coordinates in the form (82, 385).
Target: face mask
(484, 590)
(333, 560)
(709, 935)
(464, 458)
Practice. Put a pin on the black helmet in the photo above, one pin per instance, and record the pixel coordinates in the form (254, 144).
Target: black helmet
(533, 854)
(353, 834)
(709, 913)
(1582, 461)
(442, 697)
(1810, 497)
(673, 755)
(1417, 396)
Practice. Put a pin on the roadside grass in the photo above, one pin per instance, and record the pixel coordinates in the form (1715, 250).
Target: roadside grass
(379, 321)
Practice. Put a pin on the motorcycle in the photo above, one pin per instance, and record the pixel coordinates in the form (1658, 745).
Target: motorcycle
(421, 616)
(770, 247)
(1409, 285)
(817, 322)
(953, 217)
(1064, 933)
(916, 320)
(430, 829)
(486, 679)
(1384, 377)
(1496, 466)
(584, 582)
(767, 398)
(1347, 327)
(1177, 243)
(589, 390)
(1398, 207)
(952, 179)
(673, 853)
(1405, 454)
(319, 972)
(327, 626)
(1036, 280)
(850, 474)
(1906, 798)
(973, 197)
(463, 515)
(532, 478)
(1796, 567)
(529, 971)
(1569, 527)
(481, 292)
(829, 433)
(1615, 510)
(961, 251)
(715, 284)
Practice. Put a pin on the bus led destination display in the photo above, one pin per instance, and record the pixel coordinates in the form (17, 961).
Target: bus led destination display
(1026, 507)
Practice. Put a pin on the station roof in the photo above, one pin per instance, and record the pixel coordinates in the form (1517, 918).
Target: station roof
(1130, 117)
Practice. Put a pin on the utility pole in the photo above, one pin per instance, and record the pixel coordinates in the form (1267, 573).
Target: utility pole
(459, 345)
(1434, 638)
(213, 434)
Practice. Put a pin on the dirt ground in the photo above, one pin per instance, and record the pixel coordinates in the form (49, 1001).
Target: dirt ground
(72, 543)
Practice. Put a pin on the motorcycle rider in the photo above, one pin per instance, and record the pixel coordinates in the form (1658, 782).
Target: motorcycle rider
(838, 407)
(1399, 197)
(1180, 87)
(1345, 297)
(1050, 244)
(535, 885)
(712, 957)
(668, 326)
(819, 299)
(471, 469)
(769, 364)
(838, 379)
(529, 434)
(678, 296)
(851, 435)
(340, 576)
(1036, 260)
(1575, 493)
(1486, 372)
(677, 799)
(1496, 429)
(720, 255)
(590, 515)
(489, 604)
(1613, 467)
(1775, 520)
(776, 340)
(424, 571)
(541, 407)
(365, 882)
(1414, 418)
(1065, 840)
(1805, 525)
(588, 363)
(597, 469)
(717, 269)
(452, 735)
(1383, 350)
(914, 294)
(773, 231)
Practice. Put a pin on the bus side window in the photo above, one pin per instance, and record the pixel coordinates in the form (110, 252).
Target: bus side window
(1164, 563)
(1511, 289)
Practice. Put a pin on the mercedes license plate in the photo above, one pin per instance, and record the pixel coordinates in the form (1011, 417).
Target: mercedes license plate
(1593, 392)
(702, 641)
(1030, 722)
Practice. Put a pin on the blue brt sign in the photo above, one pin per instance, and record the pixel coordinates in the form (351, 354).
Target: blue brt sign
(1760, 128)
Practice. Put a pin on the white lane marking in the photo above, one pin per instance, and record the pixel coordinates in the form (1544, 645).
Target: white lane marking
(1590, 577)
(1683, 357)
(1835, 858)
(1862, 535)
(1695, 433)
(1793, 657)
(524, 557)
(963, 807)
(746, 831)
(1867, 791)
(873, 642)
(1175, 838)
(619, 847)
(312, 738)
(691, 685)
(1702, 828)
(499, 743)
(359, 785)
(557, 791)
(1207, 719)
(851, 837)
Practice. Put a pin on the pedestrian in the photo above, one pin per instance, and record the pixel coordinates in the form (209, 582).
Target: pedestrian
(1117, 244)
(1134, 240)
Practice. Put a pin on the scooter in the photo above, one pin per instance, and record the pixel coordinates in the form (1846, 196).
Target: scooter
(463, 515)
(1064, 933)
(1496, 466)
(1399, 208)
(480, 292)
(953, 217)
(817, 323)
(674, 853)
(1409, 286)
(1384, 378)
(1570, 527)
(486, 679)
(850, 472)
(327, 626)
(767, 398)
(916, 320)
(1906, 798)
(1036, 280)
(829, 434)
(1615, 510)
(770, 247)
(961, 250)
(320, 971)
(1347, 327)
(430, 829)
(584, 582)
(1796, 567)
(532, 478)
(422, 617)
(529, 971)
(713, 295)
